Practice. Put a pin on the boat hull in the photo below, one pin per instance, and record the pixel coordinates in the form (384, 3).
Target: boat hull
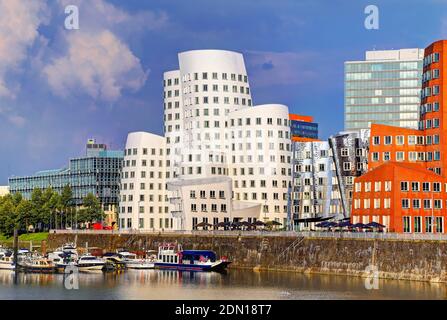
(91, 267)
(217, 267)
(141, 266)
(6, 266)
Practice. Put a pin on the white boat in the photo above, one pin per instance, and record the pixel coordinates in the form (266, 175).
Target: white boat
(133, 262)
(6, 261)
(173, 257)
(90, 263)
(36, 264)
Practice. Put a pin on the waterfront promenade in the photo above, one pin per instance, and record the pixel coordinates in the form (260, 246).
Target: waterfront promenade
(292, 234)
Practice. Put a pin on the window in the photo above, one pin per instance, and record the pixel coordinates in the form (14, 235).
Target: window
(436, 187)
(407, 224)
(377, 186)
(415, 186)
(405, 204)
(439, 224)
(376, 140)
(400, 140)
(428, 225)
(426, 186)
(416, 203)
(347, 166)
(417, 224)
(388, 140)
(437, 204)
(404, 186)
(386, 156)
(427, 203)
(387, 185)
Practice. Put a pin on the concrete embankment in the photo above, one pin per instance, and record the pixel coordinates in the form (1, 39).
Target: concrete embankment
(394, 259)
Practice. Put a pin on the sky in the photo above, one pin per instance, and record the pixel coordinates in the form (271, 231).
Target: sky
(60, 87)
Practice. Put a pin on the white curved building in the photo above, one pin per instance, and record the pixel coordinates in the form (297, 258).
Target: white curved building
(260, 150)
(213, 84)
(143, 184)
(216, 143)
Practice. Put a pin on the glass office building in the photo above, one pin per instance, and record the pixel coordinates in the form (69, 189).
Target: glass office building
(384, 89)
(98, 172)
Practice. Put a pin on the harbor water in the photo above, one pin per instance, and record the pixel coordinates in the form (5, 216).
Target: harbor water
(235, 285)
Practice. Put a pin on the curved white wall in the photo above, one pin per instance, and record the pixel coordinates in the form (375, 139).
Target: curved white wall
(260, 156)
(143, 183)
(214, 83)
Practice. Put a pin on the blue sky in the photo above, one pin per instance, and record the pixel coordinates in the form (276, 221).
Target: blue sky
(59, 87)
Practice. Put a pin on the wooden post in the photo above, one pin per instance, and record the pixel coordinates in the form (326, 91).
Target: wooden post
(16, 255)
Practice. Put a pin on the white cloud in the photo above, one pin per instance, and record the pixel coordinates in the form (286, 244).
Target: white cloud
(19, 23)
(99, 64)
(95, 60)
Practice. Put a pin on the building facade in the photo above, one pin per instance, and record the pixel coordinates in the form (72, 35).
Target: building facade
(315, 193)
(384, 88)
(98, 173)
(413, 160)
(214, 134)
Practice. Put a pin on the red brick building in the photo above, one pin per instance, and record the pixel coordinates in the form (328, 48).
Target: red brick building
(411, 163)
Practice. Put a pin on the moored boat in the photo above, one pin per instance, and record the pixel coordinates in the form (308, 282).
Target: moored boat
(90, 263)
(36, 264)
(133, 262)
(174, 258)
(6, 261)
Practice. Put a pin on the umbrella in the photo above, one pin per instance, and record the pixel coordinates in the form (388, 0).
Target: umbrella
(375, 225)
(344, 224)
(203, 224)
(274, 223)
(259, 223)
(321, 224)
(360, 225)
(331, 224)
(246, 224)
(219, 225)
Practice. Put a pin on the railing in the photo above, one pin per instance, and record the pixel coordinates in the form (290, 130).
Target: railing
(260, 233)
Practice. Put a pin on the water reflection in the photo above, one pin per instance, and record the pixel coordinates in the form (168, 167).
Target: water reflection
(236, 284)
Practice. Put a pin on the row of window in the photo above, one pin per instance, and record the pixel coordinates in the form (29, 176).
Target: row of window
(168, 223)
(430, 74)
(426, 186)
(434, 57)
(416, 227)
(212, 194)
(429, 91)
(204, 207)
(412, 156)
(214, 88)
(214, 76)
(215, 100)
(377, 186)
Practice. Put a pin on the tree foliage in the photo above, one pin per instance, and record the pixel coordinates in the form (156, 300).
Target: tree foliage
(46, 209)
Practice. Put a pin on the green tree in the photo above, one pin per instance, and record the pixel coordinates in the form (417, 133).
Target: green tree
(91, 210)
(8, 216)
(24, 212)
(66, 202)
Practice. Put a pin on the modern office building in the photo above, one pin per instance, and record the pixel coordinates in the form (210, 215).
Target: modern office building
(410, 163)
(384, 89)
(98, 172)
(216, 143)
